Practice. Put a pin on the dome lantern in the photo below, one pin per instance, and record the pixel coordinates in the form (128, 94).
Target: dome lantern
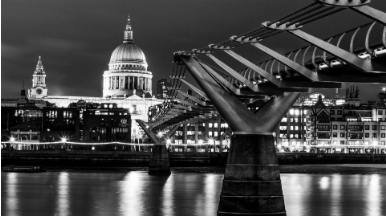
(128, 34)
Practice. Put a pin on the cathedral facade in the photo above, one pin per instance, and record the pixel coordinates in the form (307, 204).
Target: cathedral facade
(127, 82)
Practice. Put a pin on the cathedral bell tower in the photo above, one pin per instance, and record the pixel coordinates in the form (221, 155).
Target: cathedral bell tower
(39, 88)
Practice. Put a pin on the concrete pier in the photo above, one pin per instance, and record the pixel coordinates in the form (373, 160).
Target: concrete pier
(159, 161)
(251, 184)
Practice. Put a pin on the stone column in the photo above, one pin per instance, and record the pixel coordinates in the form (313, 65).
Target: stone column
(252, 184)
(196, 133)
(123, 82)
(184, 139)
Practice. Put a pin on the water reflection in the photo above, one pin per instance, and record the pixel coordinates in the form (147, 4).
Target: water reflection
(336, 194)
(167, 198)
(374, 204)
(137, 193)
(63, 195)
(12, 201)
(130, 190)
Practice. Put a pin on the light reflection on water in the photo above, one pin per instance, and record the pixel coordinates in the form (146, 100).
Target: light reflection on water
(136, 193)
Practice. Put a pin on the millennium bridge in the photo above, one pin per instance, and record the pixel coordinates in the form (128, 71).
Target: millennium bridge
(251, 184)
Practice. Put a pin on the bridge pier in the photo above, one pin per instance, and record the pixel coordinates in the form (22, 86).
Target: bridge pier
(251, 184)
(159, 161)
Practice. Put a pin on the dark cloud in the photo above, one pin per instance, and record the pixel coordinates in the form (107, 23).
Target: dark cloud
(76, 38)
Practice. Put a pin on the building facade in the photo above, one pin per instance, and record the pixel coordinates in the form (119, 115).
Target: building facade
(162, 88)
(348, 128)
(80, 122)
(127, 83)
(315, 123)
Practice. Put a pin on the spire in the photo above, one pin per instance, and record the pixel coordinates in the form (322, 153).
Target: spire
(128, 35)
(39, 66)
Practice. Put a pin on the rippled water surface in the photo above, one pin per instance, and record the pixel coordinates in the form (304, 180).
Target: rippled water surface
(136, 193)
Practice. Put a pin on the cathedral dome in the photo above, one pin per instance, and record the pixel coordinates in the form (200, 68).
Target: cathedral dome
(127, 74)
(128, 53)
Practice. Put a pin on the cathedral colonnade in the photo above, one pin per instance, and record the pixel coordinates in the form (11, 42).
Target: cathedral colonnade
(139, 82)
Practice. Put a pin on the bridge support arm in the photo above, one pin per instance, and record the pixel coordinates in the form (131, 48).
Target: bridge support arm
(229, 107)
(350, 58)
(171, 131)
(297, 67)
(372, 13)
(148, 132)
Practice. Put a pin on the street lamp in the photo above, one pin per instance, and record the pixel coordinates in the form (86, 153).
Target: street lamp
(211, 141)
(64, 140)
(375, 143)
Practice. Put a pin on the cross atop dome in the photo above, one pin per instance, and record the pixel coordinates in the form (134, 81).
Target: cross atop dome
(128, 35)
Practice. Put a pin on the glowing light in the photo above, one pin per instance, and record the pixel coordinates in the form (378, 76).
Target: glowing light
(12, 139)
(384, 89)
(159, 134)
(324, 183)
(64, 139)
(375, 142)
(200, 141)
(210, 140)
(168, 141)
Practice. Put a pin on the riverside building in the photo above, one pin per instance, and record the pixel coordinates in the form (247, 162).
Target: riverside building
(315, 123)
(127, 83)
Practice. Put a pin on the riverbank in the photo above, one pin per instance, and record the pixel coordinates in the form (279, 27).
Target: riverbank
(213, 162)
(304, 168)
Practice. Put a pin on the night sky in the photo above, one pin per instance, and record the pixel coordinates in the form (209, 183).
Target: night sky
(76, 38)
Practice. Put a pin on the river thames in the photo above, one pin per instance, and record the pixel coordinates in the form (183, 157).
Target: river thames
(137, 193)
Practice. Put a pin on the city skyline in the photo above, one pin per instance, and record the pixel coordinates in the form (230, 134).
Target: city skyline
(76, 40)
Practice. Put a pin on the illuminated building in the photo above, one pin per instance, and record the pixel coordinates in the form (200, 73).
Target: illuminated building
(127, 83)
(80, 122)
